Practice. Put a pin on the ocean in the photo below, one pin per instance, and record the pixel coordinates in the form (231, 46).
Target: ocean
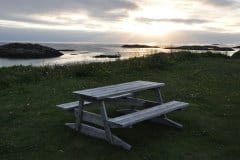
(85, 53)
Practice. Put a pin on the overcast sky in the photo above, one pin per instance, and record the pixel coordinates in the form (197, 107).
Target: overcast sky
(124, 21)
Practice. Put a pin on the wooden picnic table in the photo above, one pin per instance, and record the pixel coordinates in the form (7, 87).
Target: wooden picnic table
(124, 93)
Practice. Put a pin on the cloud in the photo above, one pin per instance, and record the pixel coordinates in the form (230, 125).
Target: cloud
(179, 37)
(41, 35)
(173, 20)
(102, 20)
(219, 2)
(94, 8)
(205, 37)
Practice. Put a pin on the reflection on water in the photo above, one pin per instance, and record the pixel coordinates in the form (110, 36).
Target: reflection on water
(79, 57)
(85, 54)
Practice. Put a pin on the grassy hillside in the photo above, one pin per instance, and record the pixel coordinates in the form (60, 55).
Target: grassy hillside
(32, 127)
(236, 55)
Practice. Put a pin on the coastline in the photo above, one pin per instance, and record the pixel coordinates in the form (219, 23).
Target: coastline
(29, 94)
(93, 52)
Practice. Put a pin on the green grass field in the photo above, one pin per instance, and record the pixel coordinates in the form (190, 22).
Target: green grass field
(31, 127)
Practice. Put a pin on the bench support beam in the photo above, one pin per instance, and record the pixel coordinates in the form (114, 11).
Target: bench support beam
(166, 121)
(100, 134)
(79, 114)
(104, 119)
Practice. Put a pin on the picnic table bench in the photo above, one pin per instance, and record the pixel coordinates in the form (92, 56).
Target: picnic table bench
(124, 93)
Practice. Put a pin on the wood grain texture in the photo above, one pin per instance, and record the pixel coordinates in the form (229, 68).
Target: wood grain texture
(105, 121)
(118, 89)
(148, 113)
(92, 118)
(100, 134)
(71, 105)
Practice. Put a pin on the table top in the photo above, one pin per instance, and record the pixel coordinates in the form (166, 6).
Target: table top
(101, 93)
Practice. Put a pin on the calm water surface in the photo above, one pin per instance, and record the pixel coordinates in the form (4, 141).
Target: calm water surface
(84, 53)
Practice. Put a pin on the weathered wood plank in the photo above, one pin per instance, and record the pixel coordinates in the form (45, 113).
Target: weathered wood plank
(112, 90)
(127, 111)
(159, 95)
(117, 141)
(152, 109)
(148, 113)
(113, 87)
(116, 91)
(78, 113)
(105, 119)
(120, 96)
(71, 105)
(91, 118)
(167, 121)
(89, 130)
(99, 133)
(137, 102)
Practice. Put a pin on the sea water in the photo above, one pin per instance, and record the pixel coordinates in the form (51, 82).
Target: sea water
(85, 53)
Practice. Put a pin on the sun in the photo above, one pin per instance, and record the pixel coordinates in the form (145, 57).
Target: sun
(154, 13)
(145, 29)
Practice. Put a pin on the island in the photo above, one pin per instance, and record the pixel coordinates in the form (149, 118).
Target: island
(204, 47)
(138, 46)
(27, 51)
(238, 47)
(108, 56)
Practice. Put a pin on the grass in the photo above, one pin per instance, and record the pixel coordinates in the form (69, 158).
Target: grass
(236, 55)
(32, 127)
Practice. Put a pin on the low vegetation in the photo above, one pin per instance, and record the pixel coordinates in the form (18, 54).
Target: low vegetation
(32, 127)
(236, 55)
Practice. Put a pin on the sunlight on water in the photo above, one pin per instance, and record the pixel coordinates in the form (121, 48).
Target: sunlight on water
(82, 57)
(85, 53)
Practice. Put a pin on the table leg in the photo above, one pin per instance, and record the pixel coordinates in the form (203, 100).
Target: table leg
(92, 130)
(99, 133)
(164, 119)
(109, 136)
(79, 114)
(159, 95)
(105, 118)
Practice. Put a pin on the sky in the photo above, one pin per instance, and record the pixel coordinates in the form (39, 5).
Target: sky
(121, 21)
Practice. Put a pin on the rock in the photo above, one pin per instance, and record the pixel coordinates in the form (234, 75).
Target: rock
(237, 47)
(206, 47)
(108, 56)
(27, 51)
(66, 50)
(138, 46)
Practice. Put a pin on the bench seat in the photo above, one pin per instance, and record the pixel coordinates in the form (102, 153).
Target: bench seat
(71, 105)
(146, 114)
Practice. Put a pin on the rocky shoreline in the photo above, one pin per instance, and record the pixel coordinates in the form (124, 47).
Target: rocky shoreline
(108, 56)
(205, 47)
(138, 46)
(27, 51)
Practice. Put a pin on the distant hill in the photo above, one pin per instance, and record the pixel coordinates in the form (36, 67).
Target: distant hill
(237, 47)
(27, 51)
(206, 47)
(236, 55)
